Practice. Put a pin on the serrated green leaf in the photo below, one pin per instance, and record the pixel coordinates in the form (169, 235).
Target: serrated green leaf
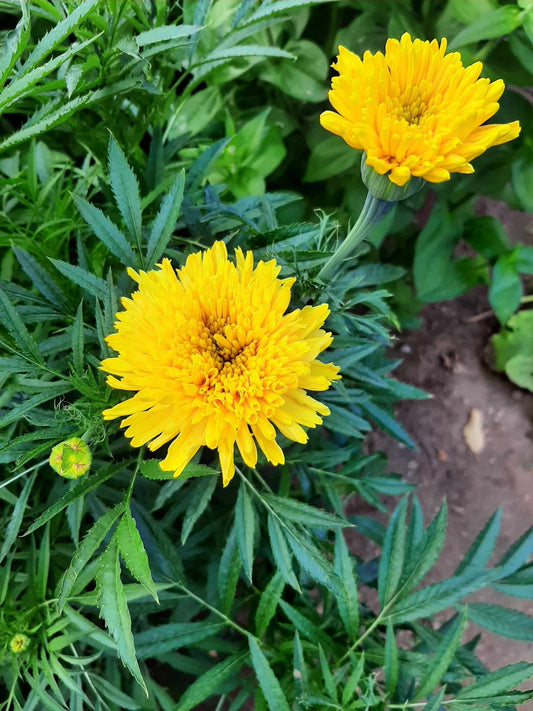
(268, 602)
(479, 553)
(517, 554)
(41, 280)
(501, 620)
(391, 661)
(88, 546)
(497, 682)
(329, 680)
(106, 231)
(12, 322)
(313, 561)
(126, 190)
(77, 341)
(165, 221)
(276, 8)
(81, 487)
(114, 608)
(443, 657)
(132, 551)
(303, 514)
(151, 470)
(351, 683)
(85, 280)
(15, 521)
(245, 529)
(300, 669)
(435, 702)
(209, 683)
(304, 625)
(165, 34)
(347, 598)
(14, 45)
(392, 554)
(270, 686)
(202, 492)
(228, 572)
(161, 639)
(281, 553)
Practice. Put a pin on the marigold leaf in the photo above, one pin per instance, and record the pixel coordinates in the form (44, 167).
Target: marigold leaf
(501, 620)
(497, 682)
(228, 572)
(268, 602)
(133, 553)
(245, 529)
(85, 280)
(392, 554)
(15, 522)
(313, 561)
(302, 513)
(208, 683)
(41, 280)
(106, 231)
(391, 661)
(202, 491)
(281, 553)
(114, 608)
(125, 189)
(478, 555)
(347, 598)
(270, 686)
(170, 637)
(165, 221)
(16, 328)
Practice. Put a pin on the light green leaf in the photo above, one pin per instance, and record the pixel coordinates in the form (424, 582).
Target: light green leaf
(391, 661)
(281, 553)
(498, 22)
(505, 289)
(497, 682)
(165, 33)
(133, 553)
(270, 686)
(151, 470)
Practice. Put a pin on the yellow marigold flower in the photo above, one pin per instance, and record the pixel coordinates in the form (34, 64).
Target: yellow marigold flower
(215, 360)
(414, 110)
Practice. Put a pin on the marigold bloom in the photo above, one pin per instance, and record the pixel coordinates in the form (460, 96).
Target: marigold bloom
(19, 643)
(215, 360)
(414, 110)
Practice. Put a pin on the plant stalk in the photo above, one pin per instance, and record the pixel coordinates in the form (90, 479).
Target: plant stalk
(374, 210)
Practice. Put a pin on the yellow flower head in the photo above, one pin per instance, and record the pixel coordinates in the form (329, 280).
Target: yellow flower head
(414, 110)
(19, 643)
(215, 360)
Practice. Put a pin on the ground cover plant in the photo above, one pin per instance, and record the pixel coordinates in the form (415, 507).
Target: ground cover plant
(194, 349)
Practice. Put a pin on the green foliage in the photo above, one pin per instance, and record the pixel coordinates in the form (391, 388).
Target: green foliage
(135, 132)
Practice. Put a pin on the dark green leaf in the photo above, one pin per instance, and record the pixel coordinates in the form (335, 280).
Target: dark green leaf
(210, 682)
(106, 231)
(270, 686)
(202, 492)
(268, 603)
(165, 221)
(125, 189)
(133, 553)
(478, 555)
(392, 554)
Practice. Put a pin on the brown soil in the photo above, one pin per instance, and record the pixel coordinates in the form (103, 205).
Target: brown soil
(447, 357)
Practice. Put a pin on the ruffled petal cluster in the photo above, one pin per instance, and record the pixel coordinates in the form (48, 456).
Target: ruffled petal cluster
(215, 360)
(415, 110)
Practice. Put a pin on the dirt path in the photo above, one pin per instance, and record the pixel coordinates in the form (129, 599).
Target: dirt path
(446, 357)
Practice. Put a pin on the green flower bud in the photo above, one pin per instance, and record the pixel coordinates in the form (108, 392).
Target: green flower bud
(384, 189)
(19, 643)
(71, 458)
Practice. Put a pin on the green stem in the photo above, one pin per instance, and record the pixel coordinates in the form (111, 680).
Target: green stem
(373, 212)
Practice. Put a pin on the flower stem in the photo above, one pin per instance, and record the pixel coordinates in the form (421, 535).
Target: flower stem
(373, 212)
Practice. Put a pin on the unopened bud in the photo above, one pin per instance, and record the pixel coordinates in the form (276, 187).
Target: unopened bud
(71, 458)
(381, 187)
(19, 643)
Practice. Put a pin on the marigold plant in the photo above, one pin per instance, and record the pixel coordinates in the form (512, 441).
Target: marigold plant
(216, 361)
(415, 110)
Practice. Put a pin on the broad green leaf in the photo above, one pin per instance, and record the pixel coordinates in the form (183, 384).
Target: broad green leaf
(522, 178)
(161, 639)
(281, 553)
(202, 492)
(505, 289)
(270, 686)
(442, 658)
(86, 550)
(81, 487)
(15, 521)
(501, 620)
(497, 682)
(126, 190)
(330, 157)
(245, 524)
(479, 553)
(114, 608)
(106, 231)
(391, 661)
(303, 514)
(392, 554)
(487, 236)
(165, 221)
(133, 553)
(498, 22)
(210, 682)
(12, 322)
(268, 602)
(228, 572)
(41, 280)
(347, 598)
(305, 79)
(85, 280)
